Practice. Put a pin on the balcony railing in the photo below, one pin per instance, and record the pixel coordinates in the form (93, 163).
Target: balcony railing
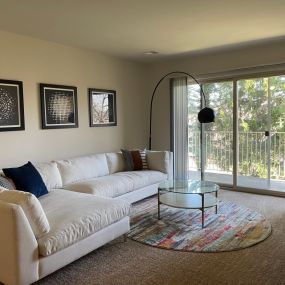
(255, 150)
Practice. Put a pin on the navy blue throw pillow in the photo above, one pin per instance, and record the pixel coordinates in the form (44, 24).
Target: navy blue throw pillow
(27, 178)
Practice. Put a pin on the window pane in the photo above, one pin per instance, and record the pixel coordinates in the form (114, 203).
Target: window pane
(218, 136)
(276, 86)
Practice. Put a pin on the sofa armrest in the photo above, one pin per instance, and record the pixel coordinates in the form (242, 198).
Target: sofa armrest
(18, 247)
(161, 161)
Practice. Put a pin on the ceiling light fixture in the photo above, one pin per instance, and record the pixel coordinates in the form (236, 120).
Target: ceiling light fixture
(151, 52)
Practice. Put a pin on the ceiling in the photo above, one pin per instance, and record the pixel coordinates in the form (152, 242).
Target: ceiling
(128, 28)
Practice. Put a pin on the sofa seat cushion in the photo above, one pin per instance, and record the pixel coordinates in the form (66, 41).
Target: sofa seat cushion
(74, 216)
(105, 186)
(142, 178)
(117, 184)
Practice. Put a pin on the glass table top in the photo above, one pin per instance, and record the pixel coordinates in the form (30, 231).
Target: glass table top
(188, 186)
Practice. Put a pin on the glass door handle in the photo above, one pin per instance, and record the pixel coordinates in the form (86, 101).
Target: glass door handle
(266, 133)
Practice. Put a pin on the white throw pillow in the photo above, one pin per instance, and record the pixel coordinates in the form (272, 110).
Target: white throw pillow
(31, 207)
(50, 175)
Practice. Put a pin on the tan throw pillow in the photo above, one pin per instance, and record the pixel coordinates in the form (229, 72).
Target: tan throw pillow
(158, 160)
(31, 207)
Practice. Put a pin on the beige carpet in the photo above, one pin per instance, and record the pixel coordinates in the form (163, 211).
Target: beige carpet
(135, 263)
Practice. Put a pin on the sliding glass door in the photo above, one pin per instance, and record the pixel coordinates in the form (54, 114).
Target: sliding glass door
(245, 147)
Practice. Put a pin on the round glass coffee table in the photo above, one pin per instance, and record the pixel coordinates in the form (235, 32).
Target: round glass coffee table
(188, 194)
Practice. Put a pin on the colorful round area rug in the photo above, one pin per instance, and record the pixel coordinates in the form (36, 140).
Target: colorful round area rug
(234, 227)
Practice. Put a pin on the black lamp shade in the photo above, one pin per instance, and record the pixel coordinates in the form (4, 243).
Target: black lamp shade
(206, 115)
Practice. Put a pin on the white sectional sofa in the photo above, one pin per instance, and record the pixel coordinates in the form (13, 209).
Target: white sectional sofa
(87, 206)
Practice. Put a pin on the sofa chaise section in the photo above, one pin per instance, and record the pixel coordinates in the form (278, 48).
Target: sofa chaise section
(79, 223)
(75, 216)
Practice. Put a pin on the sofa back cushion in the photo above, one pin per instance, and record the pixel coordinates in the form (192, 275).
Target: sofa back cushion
(82, 168)
(115, 162)
(31, 207)
(50, 174)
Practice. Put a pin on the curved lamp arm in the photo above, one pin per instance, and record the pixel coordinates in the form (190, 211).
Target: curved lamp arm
(209, 113)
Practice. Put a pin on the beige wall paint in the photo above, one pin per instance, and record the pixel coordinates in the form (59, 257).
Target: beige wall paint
(34, 61)
(199, 64)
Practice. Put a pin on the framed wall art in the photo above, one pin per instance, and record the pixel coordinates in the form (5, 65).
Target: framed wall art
(11, 106)
(102, 107)
(58, 106)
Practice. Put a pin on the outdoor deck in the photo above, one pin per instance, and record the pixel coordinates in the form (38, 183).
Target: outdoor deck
(243, 181)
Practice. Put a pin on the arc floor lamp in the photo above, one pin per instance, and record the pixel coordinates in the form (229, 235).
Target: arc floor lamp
(205, 115)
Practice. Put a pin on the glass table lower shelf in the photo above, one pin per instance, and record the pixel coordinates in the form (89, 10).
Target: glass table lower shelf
(188, 194)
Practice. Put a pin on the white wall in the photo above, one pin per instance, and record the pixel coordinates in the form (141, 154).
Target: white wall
(200, 64)
(34, 61)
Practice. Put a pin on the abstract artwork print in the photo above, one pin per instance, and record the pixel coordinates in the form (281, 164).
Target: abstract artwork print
(59, 106)
(11, 105)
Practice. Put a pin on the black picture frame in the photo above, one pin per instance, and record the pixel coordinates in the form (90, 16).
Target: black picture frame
(59, 108)
(108, 113)
(11, 106)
